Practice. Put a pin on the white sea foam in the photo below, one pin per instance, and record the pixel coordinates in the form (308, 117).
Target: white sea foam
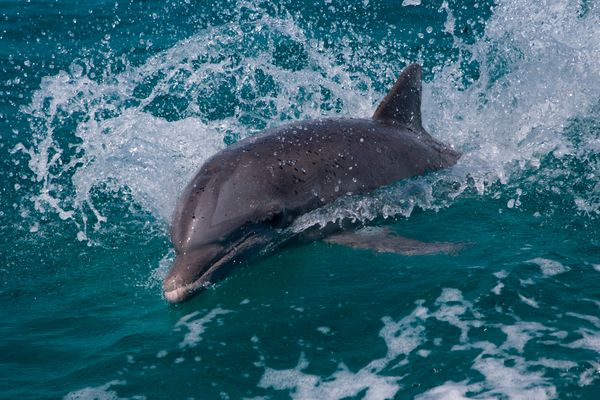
(508, 375)
(324, 330)
(501, 274)
(526, 282)
(424, 353)
(588, 376)
(452, 307)
(341, 384)
(505, 373)
(99, 393)
(549, 267)
(162, 354)
(516, 382)
(449, 391)
(520, 333)
(555, 364)
(197, 326)
(590, 340)
(401, 337)
(529, 301)
(590, 318)
(498, 288)
(504, 369)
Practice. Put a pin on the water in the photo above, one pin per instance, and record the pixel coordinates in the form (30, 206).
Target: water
(107, 108)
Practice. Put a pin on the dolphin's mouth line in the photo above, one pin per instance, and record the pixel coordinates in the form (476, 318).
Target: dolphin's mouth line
(183, 292)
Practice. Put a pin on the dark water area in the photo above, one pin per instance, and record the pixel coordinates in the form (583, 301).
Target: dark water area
(108, 108)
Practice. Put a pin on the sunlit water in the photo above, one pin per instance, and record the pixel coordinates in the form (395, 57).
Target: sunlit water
(107, 109)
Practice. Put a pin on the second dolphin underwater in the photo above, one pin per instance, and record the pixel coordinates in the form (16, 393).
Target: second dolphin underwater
(245, 194)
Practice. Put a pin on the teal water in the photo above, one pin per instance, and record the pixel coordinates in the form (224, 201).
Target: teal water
(107, 108)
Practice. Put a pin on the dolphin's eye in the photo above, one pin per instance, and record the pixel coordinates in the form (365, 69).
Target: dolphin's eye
(276, 220)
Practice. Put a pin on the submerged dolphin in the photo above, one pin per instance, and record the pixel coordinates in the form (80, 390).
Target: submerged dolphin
(242, 195)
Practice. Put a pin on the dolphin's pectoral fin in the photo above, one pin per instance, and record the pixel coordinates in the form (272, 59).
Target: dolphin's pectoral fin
(402, 104)
(385, 241)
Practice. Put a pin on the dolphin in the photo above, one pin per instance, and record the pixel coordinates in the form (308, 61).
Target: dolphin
(244, 195)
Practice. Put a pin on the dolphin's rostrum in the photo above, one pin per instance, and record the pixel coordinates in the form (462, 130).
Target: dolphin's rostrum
(240, 196)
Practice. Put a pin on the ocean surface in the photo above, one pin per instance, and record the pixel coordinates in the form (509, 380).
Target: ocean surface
(107, 108)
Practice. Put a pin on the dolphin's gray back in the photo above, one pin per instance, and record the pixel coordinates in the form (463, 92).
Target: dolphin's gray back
(285, 172)
(305, 165)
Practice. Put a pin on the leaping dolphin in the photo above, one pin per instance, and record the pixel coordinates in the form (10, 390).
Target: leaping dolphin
(244, 194)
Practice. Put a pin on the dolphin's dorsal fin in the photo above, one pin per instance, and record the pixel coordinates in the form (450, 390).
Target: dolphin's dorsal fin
(402, 104)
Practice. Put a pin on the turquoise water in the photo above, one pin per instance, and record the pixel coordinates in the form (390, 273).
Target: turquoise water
(107, 108)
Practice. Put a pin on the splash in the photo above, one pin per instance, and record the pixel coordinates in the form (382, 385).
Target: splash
(537, 72)
(146, 129)
(507, 101)
(534, 98)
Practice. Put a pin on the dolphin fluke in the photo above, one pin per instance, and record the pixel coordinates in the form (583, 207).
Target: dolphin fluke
(402, 104)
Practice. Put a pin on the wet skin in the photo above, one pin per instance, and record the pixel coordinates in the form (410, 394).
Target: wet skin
(240, 198)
